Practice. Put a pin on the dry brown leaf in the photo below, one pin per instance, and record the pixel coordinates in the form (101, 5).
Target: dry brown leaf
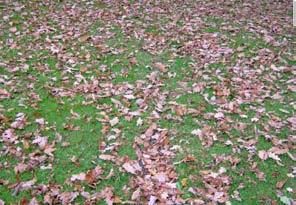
(114, 121)
(107, 157)
(136, 194)
(161, 67)
(149, 132)
(280, 184)
(129, 168)
(4, 94)
(33, 201)
(263, 154)
(22, 186)
(80, 177)
(133, 61)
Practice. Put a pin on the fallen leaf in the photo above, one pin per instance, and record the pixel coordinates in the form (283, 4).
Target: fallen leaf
(133, 61)
(184, 182)
(107, 157)
(161, 67)
(13, 29)
(33, 201)
(136, 194)
(41, 141)
(20, 167)
(68, 197)
(9, 136)
(4, 94)
(22, 186)
(78, 177)
(139, 122)
(152, 200)
(263, 154)
(19, 122)
(219, 116)
(129, 168)
(114, 121)
(84, 38)
(149, 132)
(40, 121)
(280, 184)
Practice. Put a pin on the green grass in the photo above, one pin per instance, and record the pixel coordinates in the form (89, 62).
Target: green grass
(48, 71)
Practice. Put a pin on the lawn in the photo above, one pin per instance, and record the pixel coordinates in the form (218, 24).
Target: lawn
(147, 102)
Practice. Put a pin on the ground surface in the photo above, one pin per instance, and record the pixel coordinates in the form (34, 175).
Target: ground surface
(159, 102)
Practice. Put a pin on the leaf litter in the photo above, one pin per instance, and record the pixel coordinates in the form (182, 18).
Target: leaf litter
(240, 80)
